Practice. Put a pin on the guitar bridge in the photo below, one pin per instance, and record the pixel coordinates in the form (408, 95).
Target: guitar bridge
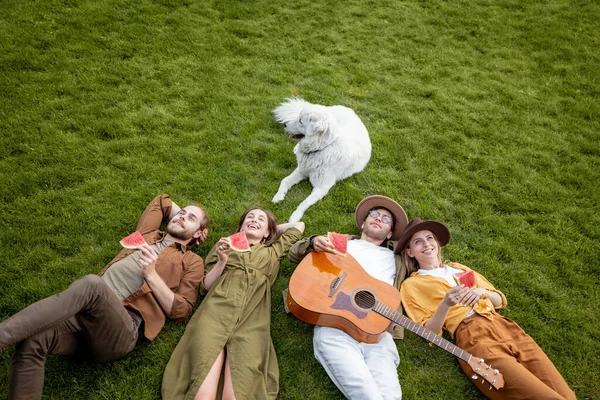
(336, 283)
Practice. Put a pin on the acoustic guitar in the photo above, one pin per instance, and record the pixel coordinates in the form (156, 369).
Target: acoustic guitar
(335, 291)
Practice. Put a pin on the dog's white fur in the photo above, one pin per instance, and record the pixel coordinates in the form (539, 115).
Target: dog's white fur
(333, 144)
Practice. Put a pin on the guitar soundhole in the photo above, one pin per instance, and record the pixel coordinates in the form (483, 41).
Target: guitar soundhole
(364, 299)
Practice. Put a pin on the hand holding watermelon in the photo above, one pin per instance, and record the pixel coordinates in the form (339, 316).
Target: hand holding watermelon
(339, 242)
(223, 249)
(147, 261)
(323, 244)
(466, 278)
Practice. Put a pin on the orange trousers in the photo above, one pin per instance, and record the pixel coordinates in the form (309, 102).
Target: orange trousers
(527, 370)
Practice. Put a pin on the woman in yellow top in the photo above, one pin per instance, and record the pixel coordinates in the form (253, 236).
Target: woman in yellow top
(432, 298)
(229, 335)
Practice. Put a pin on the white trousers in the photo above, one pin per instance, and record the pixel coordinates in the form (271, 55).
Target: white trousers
(361, 371)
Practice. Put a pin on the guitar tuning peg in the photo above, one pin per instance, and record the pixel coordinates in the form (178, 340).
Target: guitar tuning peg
(483, 381)
(481, 360)
(489, 366)
(496, 372)
(485, 375)
(476, 369)
(474, 376)
(493, 381)
(490, 388)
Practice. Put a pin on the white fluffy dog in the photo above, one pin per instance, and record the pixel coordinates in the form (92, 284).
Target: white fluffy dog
(333, 144)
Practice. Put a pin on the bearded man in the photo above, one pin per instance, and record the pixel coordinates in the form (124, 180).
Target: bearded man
(102, 317)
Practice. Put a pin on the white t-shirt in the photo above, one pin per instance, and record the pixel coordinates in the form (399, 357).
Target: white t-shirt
(446, 272)
(377, 261)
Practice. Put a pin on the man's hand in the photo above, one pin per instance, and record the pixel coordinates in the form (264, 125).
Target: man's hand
(203, 235)
(162, 292)
(147, 261)
(322, 244)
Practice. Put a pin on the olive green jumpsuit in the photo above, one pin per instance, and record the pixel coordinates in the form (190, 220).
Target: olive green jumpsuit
(235, 315)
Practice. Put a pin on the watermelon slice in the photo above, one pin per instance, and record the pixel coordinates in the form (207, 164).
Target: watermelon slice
(466, 278)
(339, 241)
(239, 242)
(133, 241)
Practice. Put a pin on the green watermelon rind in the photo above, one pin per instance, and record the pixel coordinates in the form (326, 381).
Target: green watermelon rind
(233, 238)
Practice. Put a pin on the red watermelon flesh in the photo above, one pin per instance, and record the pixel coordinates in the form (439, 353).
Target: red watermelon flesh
(339, 241)
(239, 242)
(465, 278)
(133, 241)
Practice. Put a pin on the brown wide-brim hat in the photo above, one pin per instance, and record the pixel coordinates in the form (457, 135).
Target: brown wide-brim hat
(368, 203)
(417, 224)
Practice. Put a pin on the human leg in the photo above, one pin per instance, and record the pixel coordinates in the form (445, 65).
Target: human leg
(382, 360)
(228, 393)
(495, 343)
(26, 377)
(88, 294)
(535, 360)
(96, 322)
(107, 328)
(341, 357)
(208, 388)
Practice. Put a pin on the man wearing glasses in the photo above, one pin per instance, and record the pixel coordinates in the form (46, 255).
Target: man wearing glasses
(362, 370)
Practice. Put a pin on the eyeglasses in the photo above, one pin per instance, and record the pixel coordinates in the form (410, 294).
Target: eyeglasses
(386, 219)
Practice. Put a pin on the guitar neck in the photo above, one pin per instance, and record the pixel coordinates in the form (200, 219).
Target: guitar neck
(425, 333)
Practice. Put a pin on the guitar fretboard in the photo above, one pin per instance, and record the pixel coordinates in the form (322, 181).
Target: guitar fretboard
(425, 333)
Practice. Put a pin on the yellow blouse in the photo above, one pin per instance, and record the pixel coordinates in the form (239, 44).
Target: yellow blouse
(421, 295)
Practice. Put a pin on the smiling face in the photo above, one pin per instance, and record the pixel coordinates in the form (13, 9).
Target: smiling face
(187, 223)
(424, 247)
(256, 225)
(375, 229)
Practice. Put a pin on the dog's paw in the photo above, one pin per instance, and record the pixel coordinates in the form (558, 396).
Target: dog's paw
(278, 197)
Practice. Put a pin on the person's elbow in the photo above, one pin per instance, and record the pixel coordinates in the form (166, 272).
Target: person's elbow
(180, 311)
(300, 226)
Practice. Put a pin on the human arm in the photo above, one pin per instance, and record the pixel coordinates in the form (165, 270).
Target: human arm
(175, 287)
(483, 287)
(160, 208)
(462, 296)
(163, 294)
(304, 246)
(454, 296)
(174, 210)
(494, 297)
(323, 244)
(223, 249)
(148, 225)
(284, 227)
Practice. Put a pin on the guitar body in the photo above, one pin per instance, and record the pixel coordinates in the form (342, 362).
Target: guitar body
(335, 291)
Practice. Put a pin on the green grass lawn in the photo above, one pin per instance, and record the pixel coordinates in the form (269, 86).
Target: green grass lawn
(482, 114)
